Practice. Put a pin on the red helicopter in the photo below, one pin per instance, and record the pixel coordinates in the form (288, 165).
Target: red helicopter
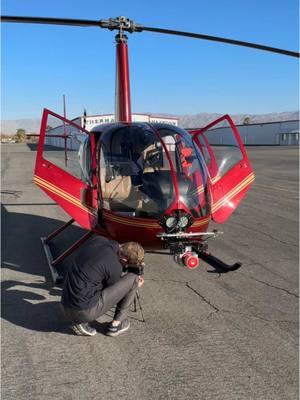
(153, 183)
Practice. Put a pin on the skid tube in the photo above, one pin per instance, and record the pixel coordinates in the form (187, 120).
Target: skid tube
(218, 264)
(52, 263)
(177, 243)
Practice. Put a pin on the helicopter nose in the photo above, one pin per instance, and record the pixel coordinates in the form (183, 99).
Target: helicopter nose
(176, 221)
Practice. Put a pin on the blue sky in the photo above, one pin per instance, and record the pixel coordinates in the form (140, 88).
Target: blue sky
(169, 74)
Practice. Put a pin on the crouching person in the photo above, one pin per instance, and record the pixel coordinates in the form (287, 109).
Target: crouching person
(96, 283)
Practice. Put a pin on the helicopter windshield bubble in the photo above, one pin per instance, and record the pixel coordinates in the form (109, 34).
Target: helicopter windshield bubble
(141, 165)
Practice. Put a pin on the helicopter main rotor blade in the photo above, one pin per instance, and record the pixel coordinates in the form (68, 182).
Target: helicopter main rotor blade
(223, 40)
(51, 21)
(119, 23)
(124, 24)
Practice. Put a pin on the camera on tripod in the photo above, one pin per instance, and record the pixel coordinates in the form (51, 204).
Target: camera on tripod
(135, 269)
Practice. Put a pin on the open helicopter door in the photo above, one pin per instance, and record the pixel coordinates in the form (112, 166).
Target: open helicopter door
(67, 179)
(227, 163)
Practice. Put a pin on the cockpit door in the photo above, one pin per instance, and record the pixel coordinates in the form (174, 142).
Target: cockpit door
(65, 177)
(230, 173)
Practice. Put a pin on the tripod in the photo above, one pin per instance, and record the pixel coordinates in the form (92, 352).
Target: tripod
(137, 299)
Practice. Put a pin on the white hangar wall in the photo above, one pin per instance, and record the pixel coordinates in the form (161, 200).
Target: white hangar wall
(270, 133)
(73, 143)
(92, 121)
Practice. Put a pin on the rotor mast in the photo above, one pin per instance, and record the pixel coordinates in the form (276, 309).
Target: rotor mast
(122, 93)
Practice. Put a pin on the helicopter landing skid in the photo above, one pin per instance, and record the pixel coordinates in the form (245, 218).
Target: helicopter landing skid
(54, 274)
(218, 264)
(187, 248)
(52, 263)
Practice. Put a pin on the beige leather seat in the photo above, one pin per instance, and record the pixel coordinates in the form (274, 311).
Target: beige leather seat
(117, 189)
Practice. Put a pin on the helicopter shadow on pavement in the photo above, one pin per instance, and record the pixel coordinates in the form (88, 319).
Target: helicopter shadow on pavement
(22, 249)
(23, 305)
(25, 296)
(24, 300)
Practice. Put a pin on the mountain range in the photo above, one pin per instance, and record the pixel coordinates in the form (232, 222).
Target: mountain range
(32, 125)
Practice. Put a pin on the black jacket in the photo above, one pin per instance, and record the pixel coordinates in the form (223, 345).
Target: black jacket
(95, 267)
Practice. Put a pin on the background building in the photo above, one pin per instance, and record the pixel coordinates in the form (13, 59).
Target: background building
(285, 133)
(282, 133)
(55, 126)
(94, 120)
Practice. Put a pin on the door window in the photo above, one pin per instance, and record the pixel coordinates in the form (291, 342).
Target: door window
(228, 166)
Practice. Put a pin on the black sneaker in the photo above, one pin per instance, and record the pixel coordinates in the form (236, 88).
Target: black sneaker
(117, 330)
(84, 329)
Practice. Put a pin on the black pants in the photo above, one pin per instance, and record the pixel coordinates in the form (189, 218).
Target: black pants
(120, 294)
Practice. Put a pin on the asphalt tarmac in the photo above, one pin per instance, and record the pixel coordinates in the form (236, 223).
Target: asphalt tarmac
(206, 336)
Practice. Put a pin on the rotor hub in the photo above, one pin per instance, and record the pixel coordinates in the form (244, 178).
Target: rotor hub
(123, 24)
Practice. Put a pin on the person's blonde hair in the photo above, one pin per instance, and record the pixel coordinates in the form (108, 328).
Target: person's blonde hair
(133, 252)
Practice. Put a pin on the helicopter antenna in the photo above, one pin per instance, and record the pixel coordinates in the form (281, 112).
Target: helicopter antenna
(84, 118)
(65, 131)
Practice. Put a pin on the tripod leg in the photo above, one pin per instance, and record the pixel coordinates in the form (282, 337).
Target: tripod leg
(138, 299)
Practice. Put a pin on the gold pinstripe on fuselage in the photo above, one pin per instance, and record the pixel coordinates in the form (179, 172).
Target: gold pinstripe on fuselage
(61, 193)
(233, 192)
